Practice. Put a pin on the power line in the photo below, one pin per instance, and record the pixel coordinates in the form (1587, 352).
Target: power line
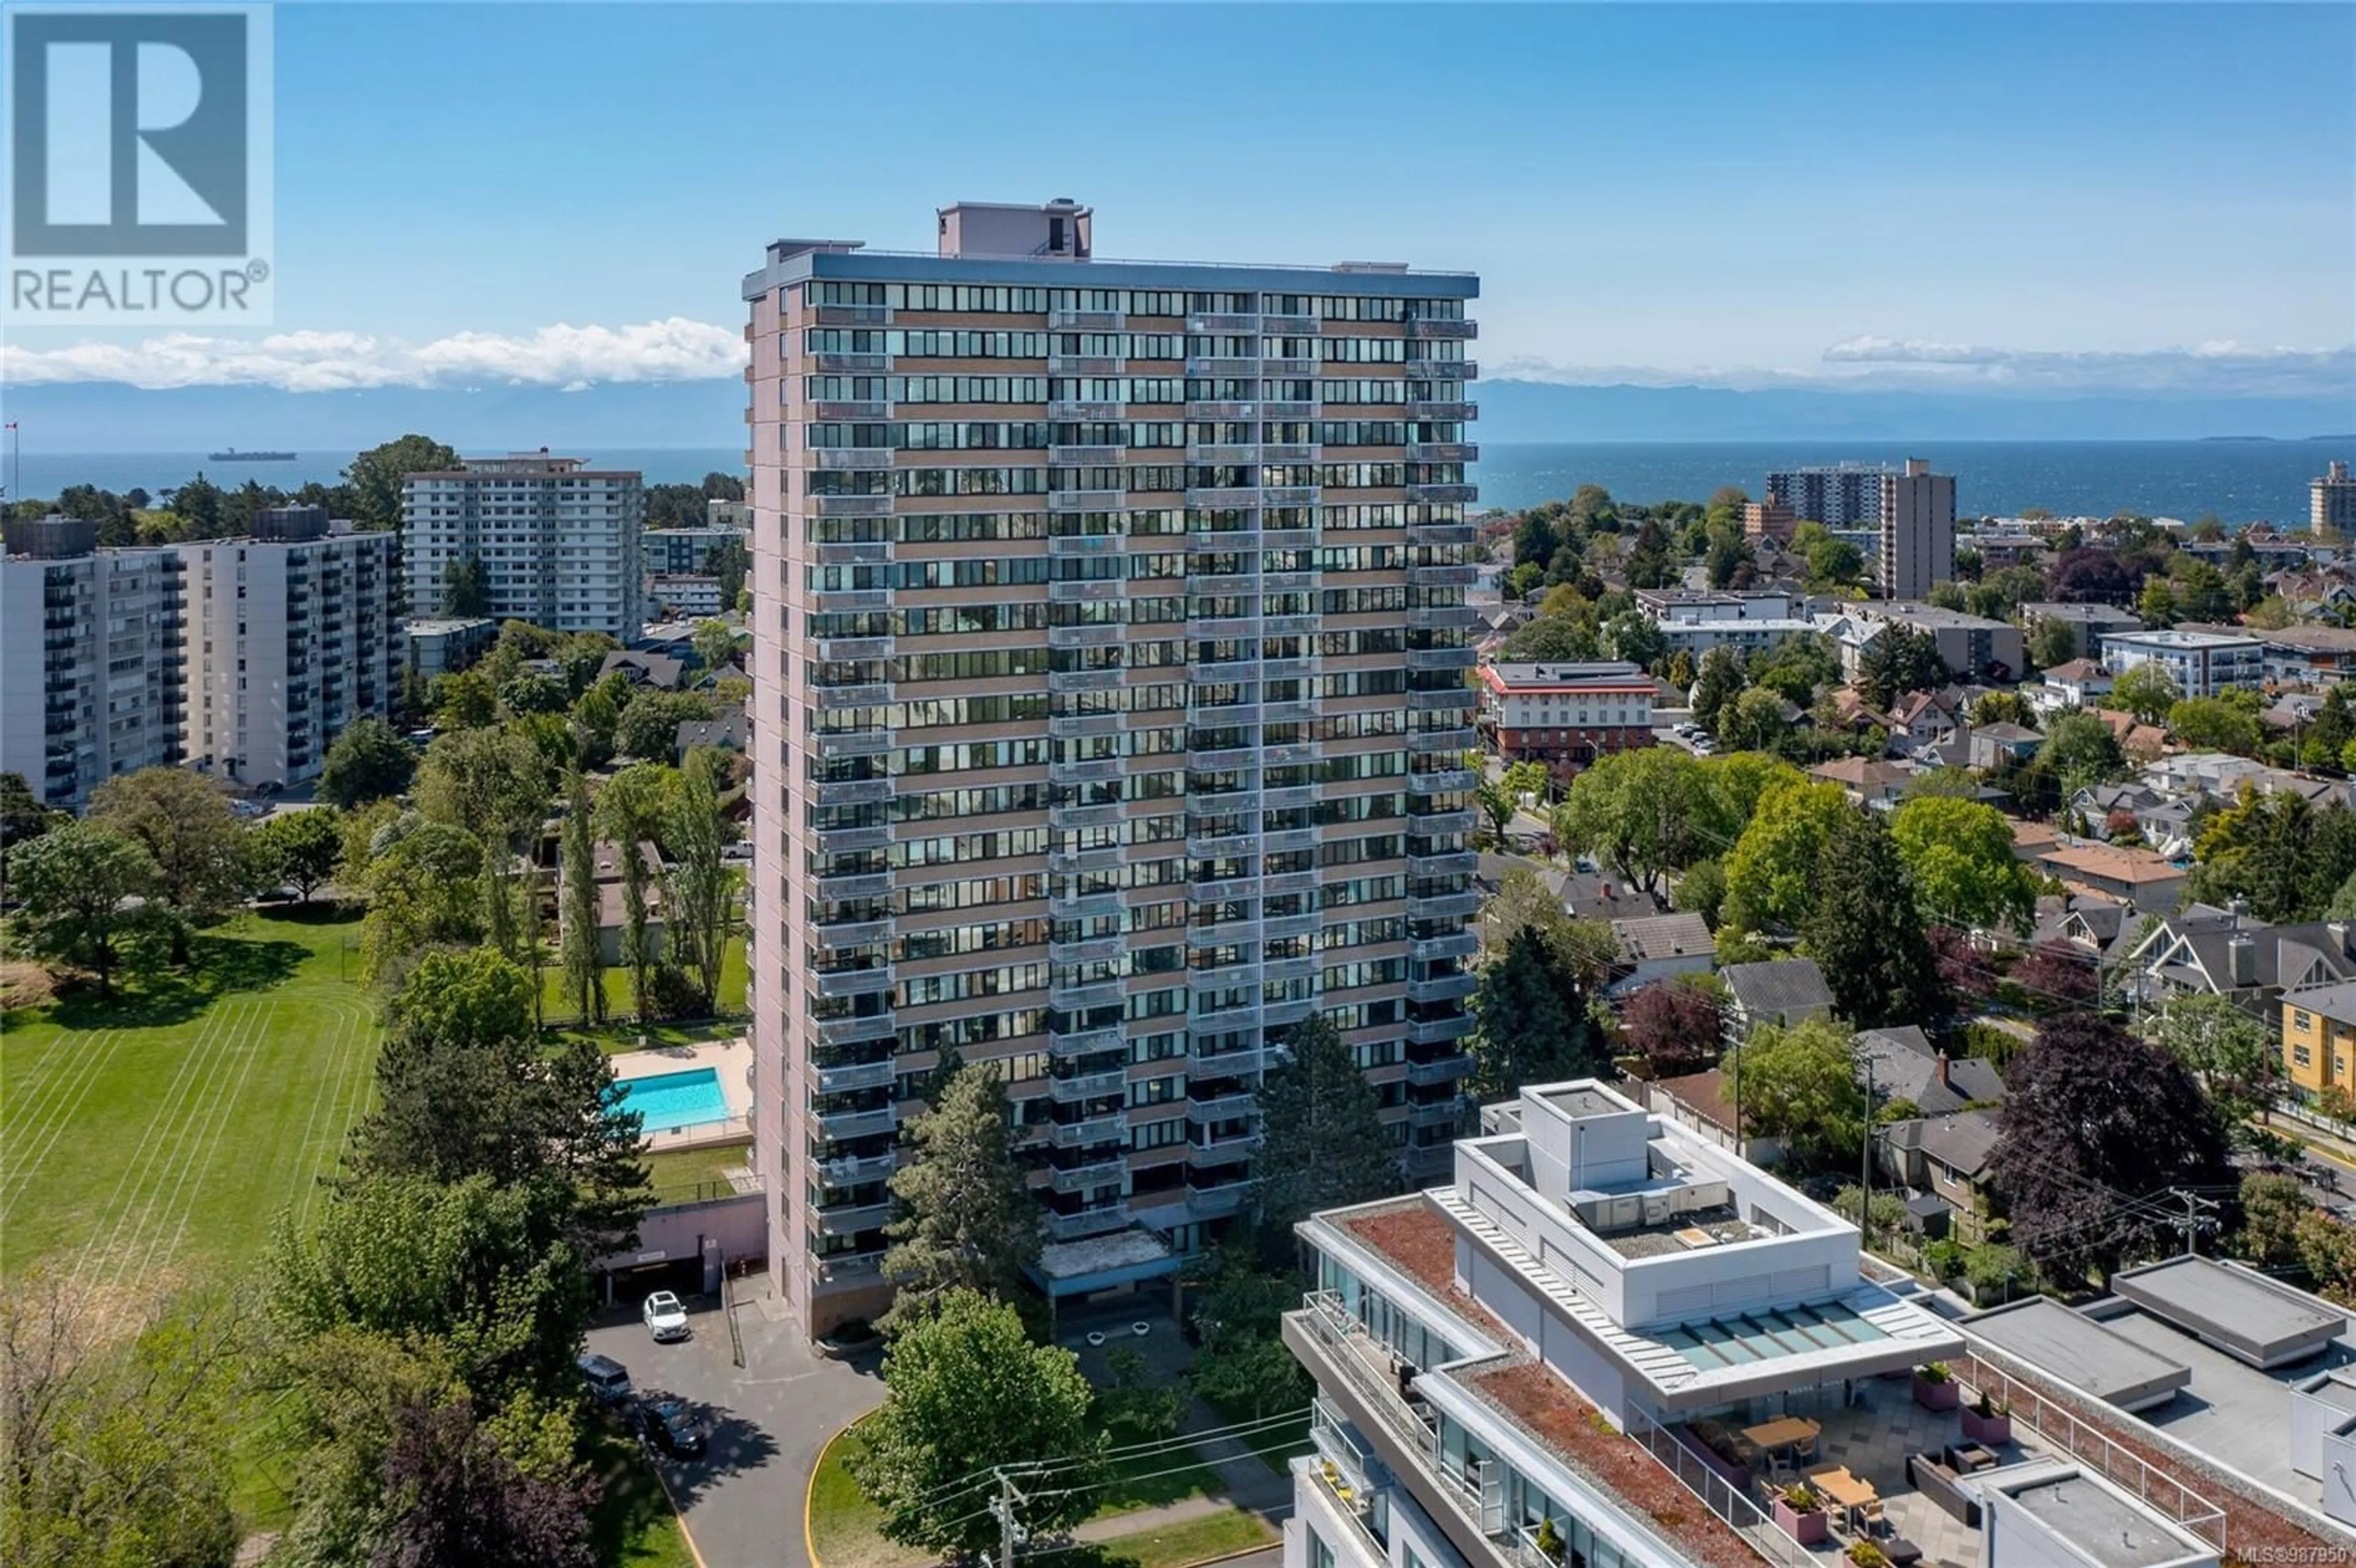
(1237, 1431)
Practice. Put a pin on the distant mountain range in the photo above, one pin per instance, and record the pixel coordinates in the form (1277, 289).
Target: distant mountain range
(110, 417)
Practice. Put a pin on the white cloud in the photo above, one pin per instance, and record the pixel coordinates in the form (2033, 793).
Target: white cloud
(676, 349)
(2216, 368)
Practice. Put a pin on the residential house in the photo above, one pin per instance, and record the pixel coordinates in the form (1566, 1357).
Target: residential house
(1906, 1066)
(1658, 947)
(728, 732)
(2318, 1040)
(2207, 951)
(653, 671)
(2092, 925)
(1921, 719)
(1781, 991)
(1971, 645)
(1947, 1158)
(2141, 742)
(1864, 780)
(1994, 745)
(2137, 877)
(2031, 840)
(2080, 683)
(1698, 1103)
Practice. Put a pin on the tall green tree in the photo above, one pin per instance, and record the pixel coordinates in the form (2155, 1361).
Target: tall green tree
(118, 1444)
(968, 1219)
(79, 892)
(1900, 660)
(581, 950)
(23, 818)
(424, 887)
(203, 866)
(1322, 1143)
(1640, 813)
(1864, 929)
(2147, 691)
(2080, 752)
(1800, 1084)
(1959, 855)
(629, 814)
(966, 1391)
(1771, 877)
(1719, 682)
(1501, 797)
(2236, 1058)
(1523, 1033)
(300, 848)
(375, 476)
(702, 887)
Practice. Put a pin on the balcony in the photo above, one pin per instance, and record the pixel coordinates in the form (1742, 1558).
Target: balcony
(1217, 497)
(1441, 863)
(1081, 862)
(1082, 1178)
(1300, 966)
(1446, 781)
(866, 982)
(1282, 927)
(840, 1127)
(1456, 413)
(836, 1267)
(852, 1170)
(1440, 822)
(850, 506)
(1082, 999)
(1209, 1202)
(1086, 364)
(851, 792)
(1296, 711)
(852, 458)
(1443, 492)
(1086, 1223)
(1070, 681)
(1085, 500)
(1070, 320)
(1222, 410)
(1431, 701)
(1288, 495)
(1229, 366)
(1440, 576)
(830, 699)
(854, 1030)
(1092, 637)
(1082, 1043)
(858, 1075)
(1086, 906)
(1435, 330)
(1086, 413)
(1107, 1129)
(1092, 950)
(1433, 949)
(1229, 456)
(1439, 1031)
(1447, 1113)
(1222, 1150)
(1091, 591)
(1241, 1063)
(854, 743)
(863, 409)
(1456, 737)
(1221, 1108)
(1442, 658)
(1442, 452)
(850, 885)
(1273, 366)
(852, 364)
(1438, 617)
(1086, 456)
(1290, 325)
(851, 841)
(850, 1221)
(1439, 1070)
(1230, 324)
(1088, 1086)
(852, 934)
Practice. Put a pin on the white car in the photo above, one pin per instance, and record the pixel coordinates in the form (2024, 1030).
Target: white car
(666, 1318)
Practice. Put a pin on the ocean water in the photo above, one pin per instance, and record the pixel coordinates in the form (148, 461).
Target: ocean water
(2241, 481)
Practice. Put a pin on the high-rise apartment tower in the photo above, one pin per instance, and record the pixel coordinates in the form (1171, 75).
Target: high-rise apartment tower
(547, 540)
(1109, 712)
(1918, 530)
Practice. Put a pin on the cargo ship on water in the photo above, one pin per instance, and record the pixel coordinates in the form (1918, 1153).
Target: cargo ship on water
(233, 454)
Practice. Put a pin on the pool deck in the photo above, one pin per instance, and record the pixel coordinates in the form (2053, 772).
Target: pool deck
(733, 1058)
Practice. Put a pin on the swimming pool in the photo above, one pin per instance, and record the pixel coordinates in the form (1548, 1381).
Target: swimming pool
(672, 1100)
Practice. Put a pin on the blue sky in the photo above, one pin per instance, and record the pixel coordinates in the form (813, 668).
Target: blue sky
(2031, 194)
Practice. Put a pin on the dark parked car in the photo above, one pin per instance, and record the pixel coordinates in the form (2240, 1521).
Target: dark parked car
(669, 1425)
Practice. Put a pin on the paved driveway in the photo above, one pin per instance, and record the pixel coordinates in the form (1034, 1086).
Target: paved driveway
(767, 1422)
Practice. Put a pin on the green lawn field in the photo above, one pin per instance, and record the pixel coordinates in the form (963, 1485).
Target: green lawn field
(153, 1141)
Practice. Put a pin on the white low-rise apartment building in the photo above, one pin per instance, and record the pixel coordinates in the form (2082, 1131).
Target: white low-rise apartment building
(2201, 664)
(89, 644)
(291, 634)
(1548, 1360)
(1745, 621)
(559, 544)
(686, 594)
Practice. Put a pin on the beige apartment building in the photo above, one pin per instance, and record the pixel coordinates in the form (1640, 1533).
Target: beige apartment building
(1108, 714)
(2331, 502)
(559, 544)
(1918, 530)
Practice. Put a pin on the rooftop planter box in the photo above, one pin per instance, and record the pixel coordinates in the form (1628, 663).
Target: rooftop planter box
(1936, 1387)
(1987, 1422)
(1800, 1514)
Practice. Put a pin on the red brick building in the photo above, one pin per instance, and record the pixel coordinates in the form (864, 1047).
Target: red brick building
(1566, 714)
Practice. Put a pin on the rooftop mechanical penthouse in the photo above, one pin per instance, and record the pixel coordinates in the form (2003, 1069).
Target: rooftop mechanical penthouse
(1108, 714)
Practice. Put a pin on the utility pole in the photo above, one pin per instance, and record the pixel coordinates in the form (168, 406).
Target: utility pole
(1011, 1533)
(2196, 1220)
(1865, 1163)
